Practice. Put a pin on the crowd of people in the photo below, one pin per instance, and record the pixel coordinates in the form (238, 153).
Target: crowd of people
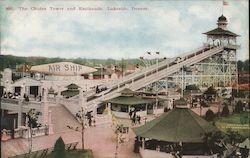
(10, 95)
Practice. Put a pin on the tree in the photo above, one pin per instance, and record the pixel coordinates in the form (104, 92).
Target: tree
(240, 65)
(32, 116)
(246, 65)
(234, 137)
(225, 111)
(209, 115)
(59, 149)
(239, 107)
(213, 141)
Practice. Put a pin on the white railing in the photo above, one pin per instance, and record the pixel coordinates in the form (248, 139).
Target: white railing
(163, 73)
(139, 79)
(24, 132)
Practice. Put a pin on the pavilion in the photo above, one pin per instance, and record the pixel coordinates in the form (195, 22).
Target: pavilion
(131, 100)
(177, 131)
(72, 90)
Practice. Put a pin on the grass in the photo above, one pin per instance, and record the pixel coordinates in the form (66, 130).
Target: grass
(75, 154)
(235, 122)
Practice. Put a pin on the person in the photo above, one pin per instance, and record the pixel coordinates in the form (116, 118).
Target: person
(130, 114)
(97, 89)
(244, 152)
(139, 119)
(40, 97)
(133, 121)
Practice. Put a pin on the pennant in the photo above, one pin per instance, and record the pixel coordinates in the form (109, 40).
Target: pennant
(225, 2)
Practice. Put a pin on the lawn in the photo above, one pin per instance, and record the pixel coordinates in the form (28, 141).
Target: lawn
(76, 154)
(235, 122)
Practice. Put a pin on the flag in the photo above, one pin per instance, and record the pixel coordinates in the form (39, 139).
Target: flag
(225, 2)
(157, 52)
(149, 53)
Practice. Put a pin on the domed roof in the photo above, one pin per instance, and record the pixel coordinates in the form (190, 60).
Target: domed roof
(222, 18)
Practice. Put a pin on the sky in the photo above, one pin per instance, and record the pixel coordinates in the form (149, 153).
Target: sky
(171, 27)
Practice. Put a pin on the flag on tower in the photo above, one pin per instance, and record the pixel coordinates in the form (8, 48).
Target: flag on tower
(225, 2)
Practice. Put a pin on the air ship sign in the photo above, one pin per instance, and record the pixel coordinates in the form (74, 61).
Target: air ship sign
(63, 69)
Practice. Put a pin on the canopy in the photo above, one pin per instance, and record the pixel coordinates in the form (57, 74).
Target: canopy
(178, 125)
(127, 91)
(72, 86)
(245, 143)
(63, 69)
(220, 31)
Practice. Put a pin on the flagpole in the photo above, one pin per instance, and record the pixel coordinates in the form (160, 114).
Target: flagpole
(222, 6)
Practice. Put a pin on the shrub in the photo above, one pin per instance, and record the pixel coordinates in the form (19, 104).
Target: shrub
(59, 149)
(209, 115)
(239, 107)
(225, 111)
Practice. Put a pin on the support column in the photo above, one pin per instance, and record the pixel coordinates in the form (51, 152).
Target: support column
(19, 114)
(143, 143)
(51, 131)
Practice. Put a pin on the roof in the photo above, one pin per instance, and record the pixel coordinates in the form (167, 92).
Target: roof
(245, 143)
(27, 81)
(130, 100)
(70, 93)
(51, 90)
(127, 91)
(222, 18)
(99, 73)
(177, 125)
(220, 31)
(210, 91)
(72, 86)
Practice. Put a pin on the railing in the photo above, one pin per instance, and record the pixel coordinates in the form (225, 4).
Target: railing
(24, 132)
(45, 152)
(146, 76)
(165, 72)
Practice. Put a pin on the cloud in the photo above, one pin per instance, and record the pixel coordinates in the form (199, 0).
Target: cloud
(168, 27)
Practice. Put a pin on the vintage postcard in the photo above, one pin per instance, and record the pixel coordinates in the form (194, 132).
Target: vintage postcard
(124, 79)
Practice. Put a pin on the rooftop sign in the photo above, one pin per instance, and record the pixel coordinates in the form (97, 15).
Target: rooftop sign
(63, 69)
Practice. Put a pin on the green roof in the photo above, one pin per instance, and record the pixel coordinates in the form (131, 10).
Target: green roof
(99, 73)
(127, 91)
(129, 100)
(70, 93)
(51, 90)
(72, 86)
(220, 31)
(177, 125)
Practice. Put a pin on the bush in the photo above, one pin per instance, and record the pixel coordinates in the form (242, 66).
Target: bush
(59, 149)
(239, 107)
(225, 111)
(209, 115)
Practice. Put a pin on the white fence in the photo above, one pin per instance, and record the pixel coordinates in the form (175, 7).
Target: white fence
(24, 132)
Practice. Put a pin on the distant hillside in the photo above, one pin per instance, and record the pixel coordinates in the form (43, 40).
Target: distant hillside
(10, 61)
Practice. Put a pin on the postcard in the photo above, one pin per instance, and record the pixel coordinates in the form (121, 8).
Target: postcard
(124, 79)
